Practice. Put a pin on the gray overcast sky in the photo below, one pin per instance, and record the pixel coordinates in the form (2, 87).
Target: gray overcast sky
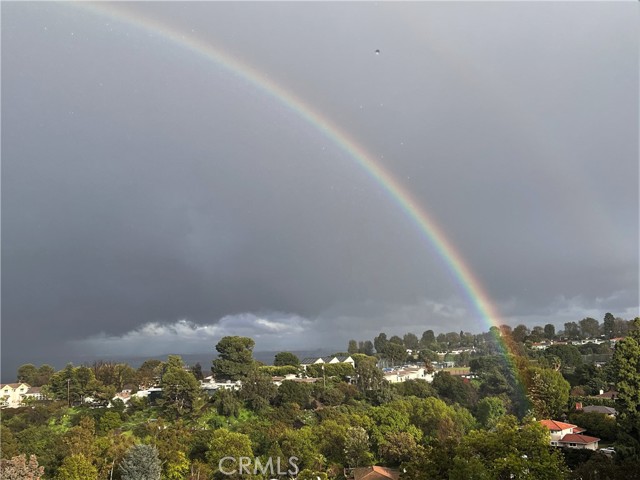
(152, 201)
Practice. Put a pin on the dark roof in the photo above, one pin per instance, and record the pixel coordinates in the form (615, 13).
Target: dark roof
(600, 409)
(610, 394)
(308, 360)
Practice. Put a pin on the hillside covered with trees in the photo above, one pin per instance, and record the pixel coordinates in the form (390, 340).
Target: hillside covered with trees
(325, 421)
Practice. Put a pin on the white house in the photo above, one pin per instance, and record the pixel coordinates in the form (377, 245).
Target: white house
(569, 435)
(34, 393)
(409, 373)
(12, 394)
(209, 384)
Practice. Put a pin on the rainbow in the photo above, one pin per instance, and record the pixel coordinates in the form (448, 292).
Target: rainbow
(425, 224)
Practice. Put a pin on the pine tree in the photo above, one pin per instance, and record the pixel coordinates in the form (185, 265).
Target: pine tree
(626, 364)
(141, 463)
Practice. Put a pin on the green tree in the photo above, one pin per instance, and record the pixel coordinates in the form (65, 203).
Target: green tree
(80, 440)
(549, 331)
(547, 390)
(300, 443)
(286, 358)
(428, 339)
(109, 421)
(452, 339)
(437, 420)
(356, 448)
(589, 327)
(227, 402)
(368, 348)
(235, 358)
(489, 411)
(116, 375)
(453, 389)
(609, 325)
(111, 450)
(620, 328)
(180, 389)
(141, 463)
(417, 388)
(410, 340)
(27, 373)
(520, 333)
(43, 442)
(8, 444)
(331, 435)
(569, 355)
(626, 365)
(397, 447)
(257, 390)
(353, 347)
(509, 452)
(293, 392)
(368, 375)
(173, 443)
(196, 371)
(308, 474)
(64, 385)
(395, 352)
(380, 342)
(77, 467)
(225, 445)
(149, 373)
(537, 334)
(572, 330)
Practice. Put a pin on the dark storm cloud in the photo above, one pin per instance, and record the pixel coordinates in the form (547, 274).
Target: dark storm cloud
(143, 185)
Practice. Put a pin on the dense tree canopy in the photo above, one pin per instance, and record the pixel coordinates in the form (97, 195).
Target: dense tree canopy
(453, 427)
(626, 365)
(286, 358)
(235, 358)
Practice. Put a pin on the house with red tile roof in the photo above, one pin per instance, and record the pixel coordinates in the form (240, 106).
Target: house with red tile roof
(374, 473)
(575, 440)
(568, 435)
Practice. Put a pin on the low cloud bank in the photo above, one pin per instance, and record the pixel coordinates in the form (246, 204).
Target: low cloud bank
(333, 328)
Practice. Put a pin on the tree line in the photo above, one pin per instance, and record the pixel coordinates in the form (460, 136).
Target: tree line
(451, 428)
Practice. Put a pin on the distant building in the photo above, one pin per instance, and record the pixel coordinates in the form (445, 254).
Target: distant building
(611, 394)
(372, 473)
(13, 394)
(569, 435)
(609, 411)
(328, 359)
(34, 393)
(407, 373)
(210, 385)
